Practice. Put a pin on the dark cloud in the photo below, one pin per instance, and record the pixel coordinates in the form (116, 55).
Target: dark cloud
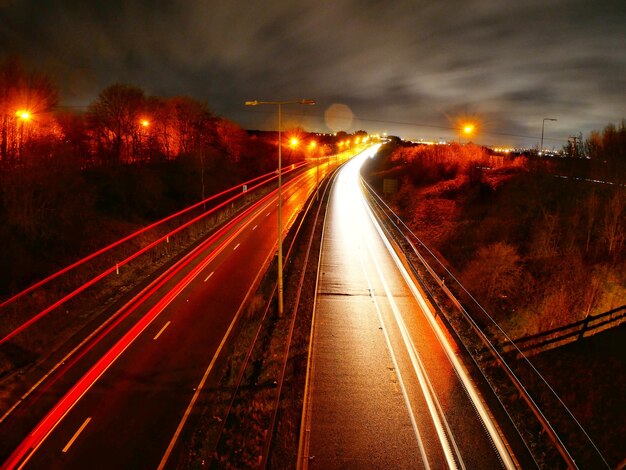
(417, 62)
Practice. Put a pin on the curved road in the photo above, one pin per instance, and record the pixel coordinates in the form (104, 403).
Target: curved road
(386, 388)
(125, 402)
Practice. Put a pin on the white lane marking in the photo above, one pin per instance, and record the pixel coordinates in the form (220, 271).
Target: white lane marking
(162, 330)
(209, 276)
(17, 403)
(200, 386)
(461, 371)
(182, 287)
(405, 395)
(418, 367)
(254, 228)
(354, 197)
(236, 246)
(76, 434)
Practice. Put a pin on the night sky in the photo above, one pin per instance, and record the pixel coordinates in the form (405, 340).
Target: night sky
(407, 67)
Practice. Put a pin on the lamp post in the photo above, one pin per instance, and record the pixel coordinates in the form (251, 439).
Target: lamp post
(466, 129)
(23, 116)
(280, 189)
(543, 123)
(312, 146)
(144, 124)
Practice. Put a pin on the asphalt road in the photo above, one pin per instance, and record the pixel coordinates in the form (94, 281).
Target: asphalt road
(134, 391)
(386, 388)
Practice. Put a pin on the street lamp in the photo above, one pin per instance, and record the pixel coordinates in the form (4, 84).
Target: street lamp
(543, 123)
(23, 115)
(312, 146)
(280, 189)
(467, 129)
(145, 124)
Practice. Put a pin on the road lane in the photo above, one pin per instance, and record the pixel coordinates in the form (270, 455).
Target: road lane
(383, 389)
(138, 402)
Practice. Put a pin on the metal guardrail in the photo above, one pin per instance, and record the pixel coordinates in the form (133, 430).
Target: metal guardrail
(566, 334)
(541, 400)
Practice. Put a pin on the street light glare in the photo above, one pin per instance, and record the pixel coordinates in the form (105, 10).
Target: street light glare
(252, 103)
(23, 114)
(145, 122)
(468, 129)
(293, 142)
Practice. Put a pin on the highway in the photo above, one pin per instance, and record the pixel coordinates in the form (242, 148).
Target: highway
(125, 400)
(385, 387)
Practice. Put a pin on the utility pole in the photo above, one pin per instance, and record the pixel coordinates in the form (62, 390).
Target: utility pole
(543, 123)
(573, 140)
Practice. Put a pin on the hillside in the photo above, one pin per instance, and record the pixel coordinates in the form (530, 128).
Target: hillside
(537, 251)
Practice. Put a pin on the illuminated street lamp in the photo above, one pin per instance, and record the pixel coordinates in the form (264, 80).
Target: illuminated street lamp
(144, 124)
(543, 123)
(312, 146)
(293, 142)
(467, 129)
(280, 189)
(23, 115)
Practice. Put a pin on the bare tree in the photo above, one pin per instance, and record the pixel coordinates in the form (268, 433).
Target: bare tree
(231, 138)
(26, 103)
(114, 120)
(546, 236)
(189, 118)
(591, 208)
(613, 223)
(495, 272)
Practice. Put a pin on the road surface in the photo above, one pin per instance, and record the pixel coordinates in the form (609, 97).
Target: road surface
(386, 388)
(125, 402)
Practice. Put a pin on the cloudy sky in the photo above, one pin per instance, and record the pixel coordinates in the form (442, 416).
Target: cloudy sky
(407, 67)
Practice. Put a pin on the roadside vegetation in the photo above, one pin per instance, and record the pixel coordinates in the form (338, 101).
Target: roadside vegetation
(540, 244)
(73, 180)
(537, 250)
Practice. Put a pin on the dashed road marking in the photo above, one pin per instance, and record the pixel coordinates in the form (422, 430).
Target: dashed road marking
(76, 434)
(209, 276)
(162, 330)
